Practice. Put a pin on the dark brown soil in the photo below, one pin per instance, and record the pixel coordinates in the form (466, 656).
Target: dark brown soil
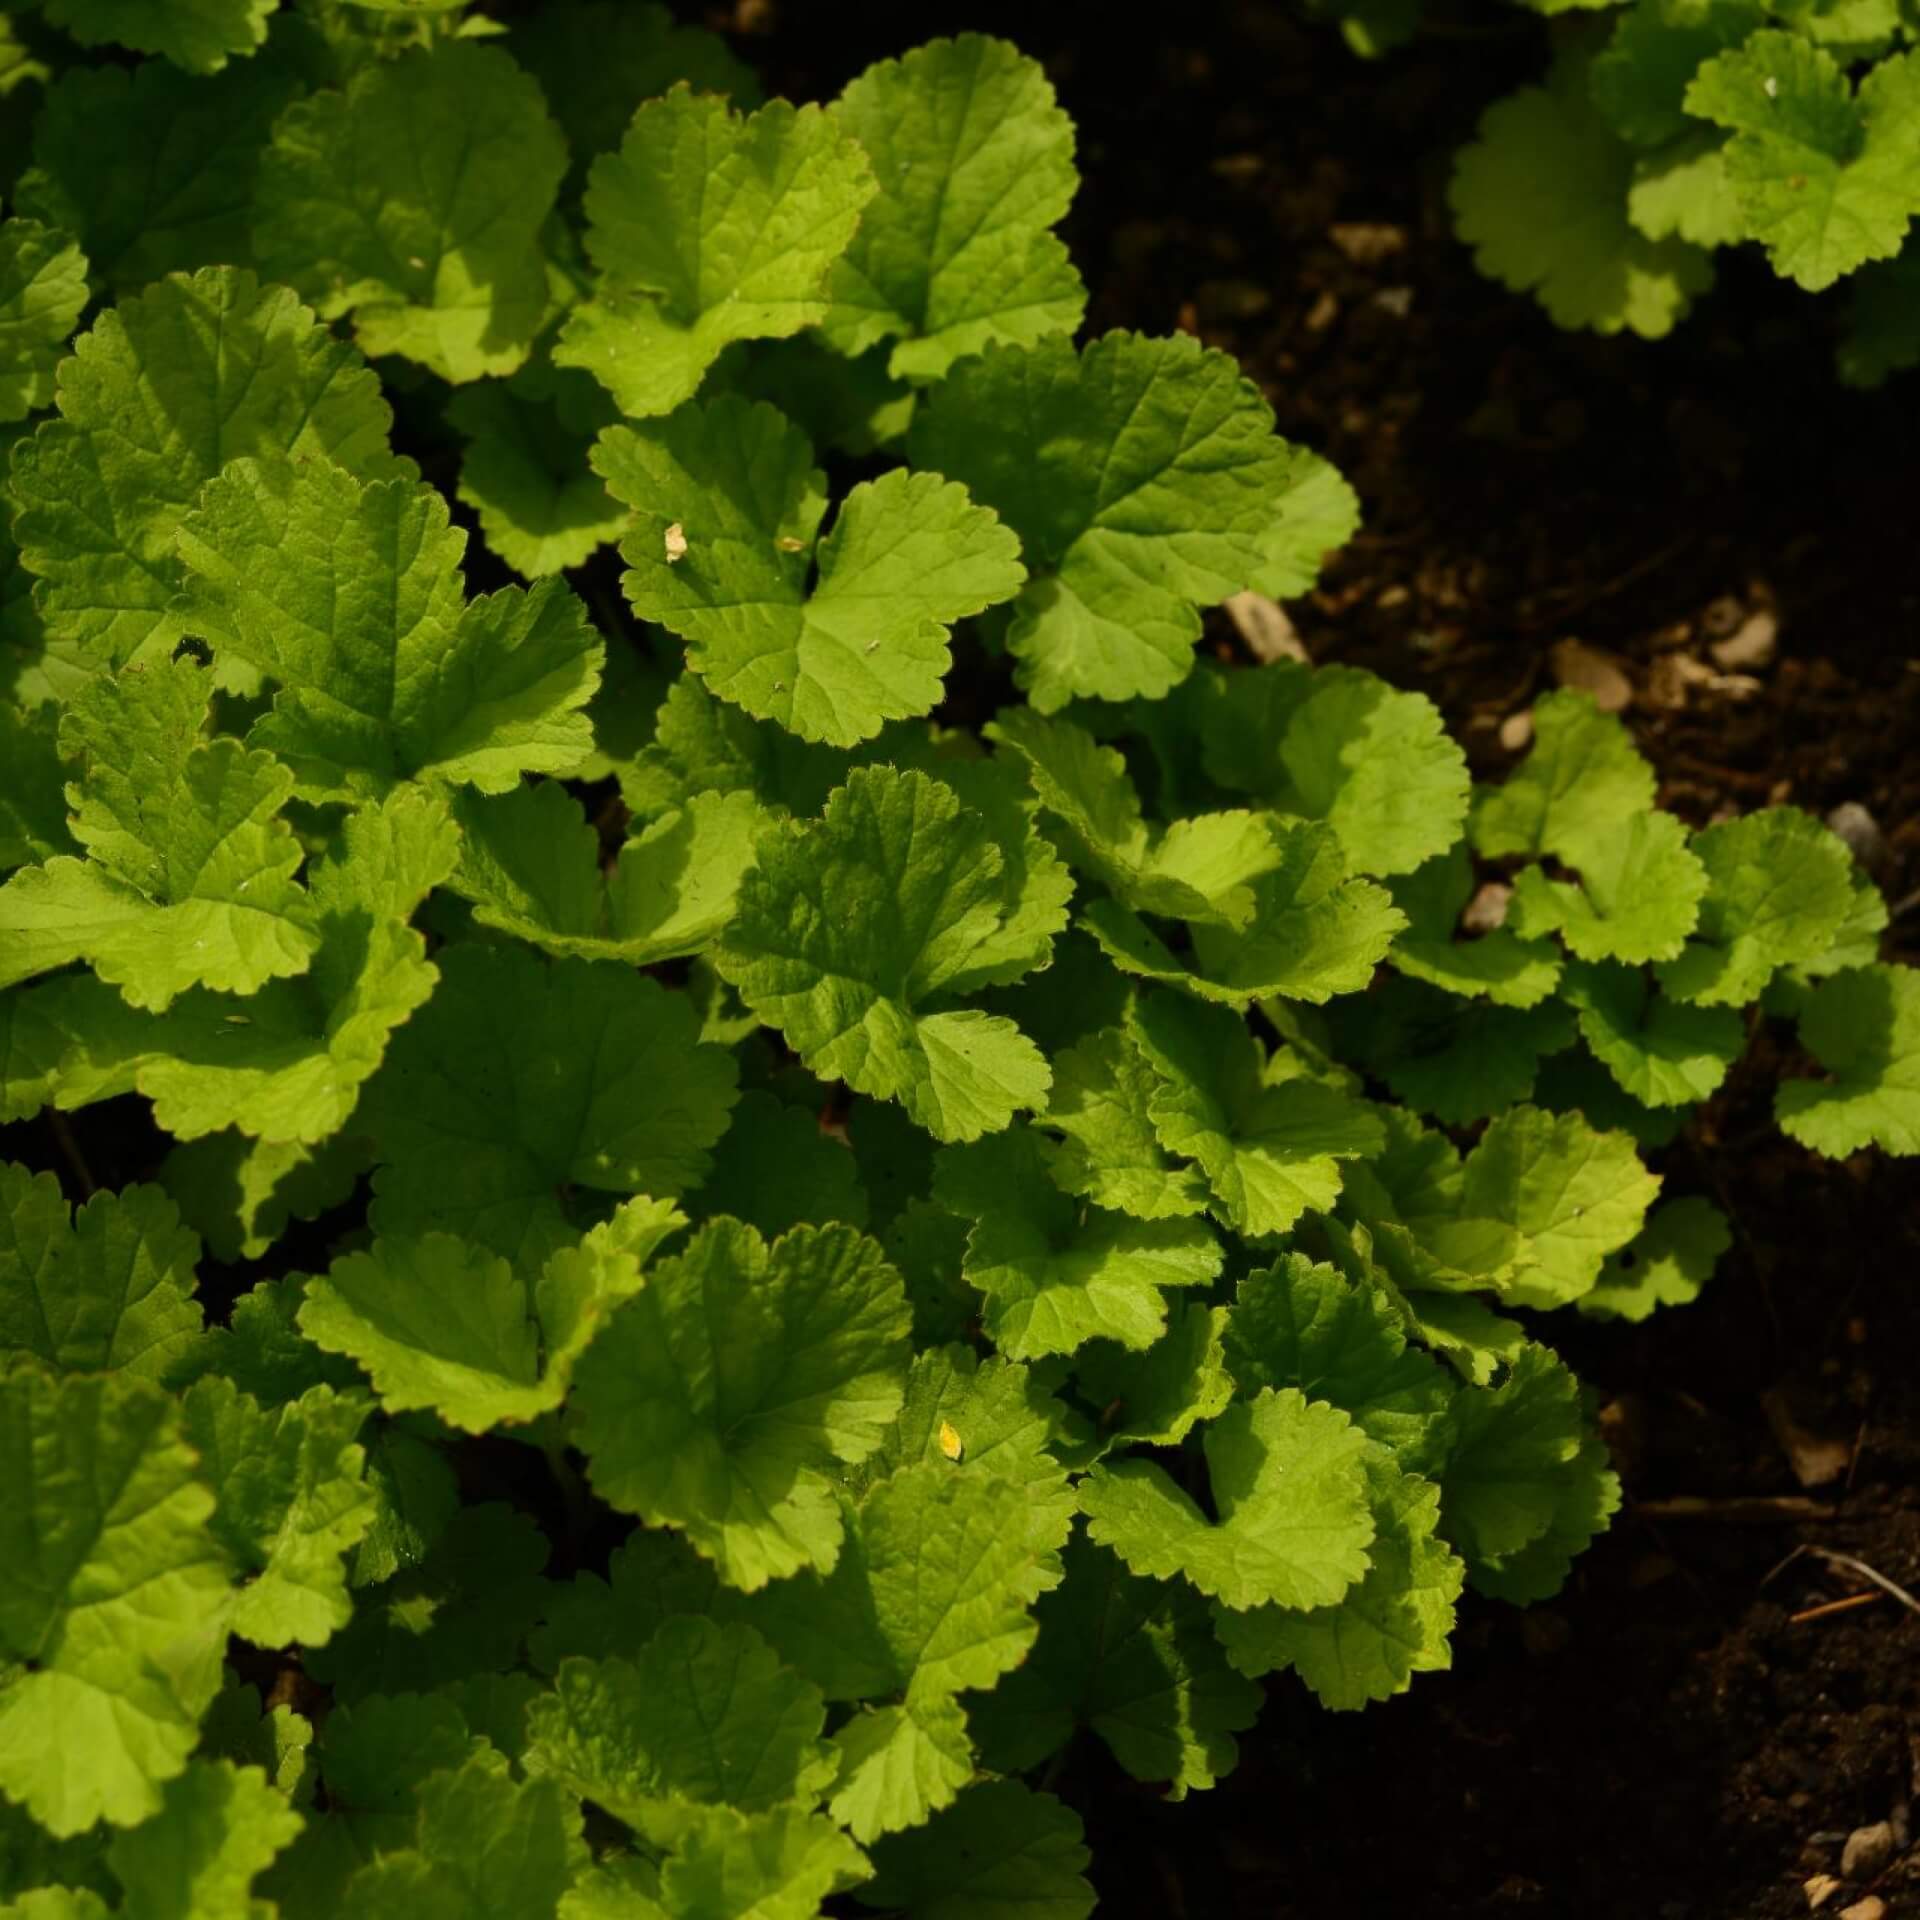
(1668, 1738)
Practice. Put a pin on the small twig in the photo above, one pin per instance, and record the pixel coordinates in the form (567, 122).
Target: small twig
(1834, 1606)
(1879, 1579)
(70, 1152)
(1780, 1509)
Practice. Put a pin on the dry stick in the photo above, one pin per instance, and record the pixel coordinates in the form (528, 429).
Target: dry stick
(1835, 1606)
(1866, 1572)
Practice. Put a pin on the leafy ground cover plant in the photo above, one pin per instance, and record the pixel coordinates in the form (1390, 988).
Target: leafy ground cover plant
(982, 1235)
(1668, 130)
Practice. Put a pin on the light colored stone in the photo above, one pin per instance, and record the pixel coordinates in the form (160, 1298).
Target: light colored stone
(1516, 730)
(1819, 1890)
(1751, 645)
(1867, 1851)
(1593, 671)
(1263, 624)
(1871, 1908)
(1860, 830)
(1487, 909)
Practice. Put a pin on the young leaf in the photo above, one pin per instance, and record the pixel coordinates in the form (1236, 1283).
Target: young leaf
(201, 37)
(1498, 964)
(1580, 780)
(413, 200)
(1638, 898)
(830, 637)
(1141, 476)
(974, 159)
(1293, 1522)
(1541, 197)
(1134, 1660)
(219, 1827)
(292, 1500)
(530, 864)
(350, 597)
(706, 1714)
(439, 1323)
(1827, 178)
(1662, 1051)
(487, 1109)
(1639, 81)
(1269, 1145)
(1392, 1625)
(855, 931)
(224, 368)
(107, 1288)
(43, 286)
(723, 1394)
(1055, 1272)
(1001, 1846)
(1779, 889)
(190, 882)
(1666, 1266)
(708, 227)
(1863, 1027)
(113, 1597)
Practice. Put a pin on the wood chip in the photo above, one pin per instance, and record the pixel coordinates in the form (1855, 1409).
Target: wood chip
(1592, 671)
(1263, 624)
(1819, 1890)
(1367, 242)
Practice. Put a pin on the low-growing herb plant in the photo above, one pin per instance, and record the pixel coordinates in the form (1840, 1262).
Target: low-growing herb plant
(1667, 131)
(763, 1212)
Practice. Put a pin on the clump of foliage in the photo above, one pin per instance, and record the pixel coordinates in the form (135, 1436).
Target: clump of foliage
(734, 1259)
(1668, 130)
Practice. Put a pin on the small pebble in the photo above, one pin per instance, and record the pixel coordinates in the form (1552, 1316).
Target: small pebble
(1750, 645)
(1263, 624)
(1860, 830)
(1867, 1851)
(1819, 1890)
(1871, 1908)
(1594, 672)
(1516, 730)
(1487, 909)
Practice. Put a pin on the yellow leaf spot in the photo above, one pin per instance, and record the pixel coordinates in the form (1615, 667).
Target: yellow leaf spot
(676, 543)
(950, 1442)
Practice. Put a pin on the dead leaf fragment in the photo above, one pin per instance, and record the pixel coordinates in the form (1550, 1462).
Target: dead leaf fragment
(1592, 671)
(676, 543)
(1816, 1460)
(1263, 624)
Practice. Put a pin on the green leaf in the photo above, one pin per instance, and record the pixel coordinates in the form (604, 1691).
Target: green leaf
(350, 597)
(595, 58)
(705, 1714)
(899, 1763)
(1580, 779)
(223, 368)
(292, 1502)
(1141, 476)
(1158, 1396)
(1883, 323)
(33, 801)
(709, 227)
(1134, 1660)
(1666, 1266)
(778, 1167)
(1541, 198)
(153, 169)
(1055, 1272)
(1863, 1027)
(1373, 762)
(1269, 1144)
(1389, 1627)
(1779, 889)
(1302, 1324)
(239, 1195)
(722, 1397)
(1662, 1051)
(1102, 1102)
(1499, 965)
(1827, 177)
(974, 159)
(1522, 1474)
(489, 1847)
(1000, 1848)
(190, 880)
(1638, 899)
(1293, 1522)
(493, 1100)
(1577, 1196)
(523, 470)
(219, 1826)
(107, 1288)
(830, 637)
(43, 286)
(439, 1323)
(1683, 189)
(413, 200)
(530, 864)
(200, 35)
(857, 931)
(1639, 82)
(113, 1592)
